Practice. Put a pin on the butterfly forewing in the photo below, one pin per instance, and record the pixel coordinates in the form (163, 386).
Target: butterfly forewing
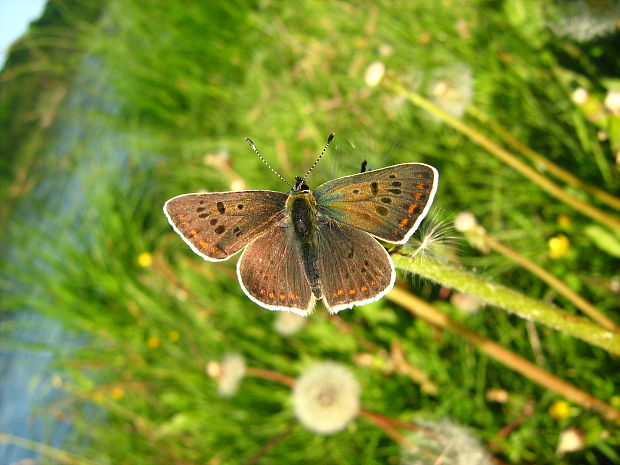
(355, 269)
(218, 225)
(388, 203)
(271, 272)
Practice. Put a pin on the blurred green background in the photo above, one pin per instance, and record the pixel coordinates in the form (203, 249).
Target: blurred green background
(109, 108)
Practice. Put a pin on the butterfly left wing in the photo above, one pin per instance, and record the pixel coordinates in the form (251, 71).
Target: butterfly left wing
(388, 203)
(219, 224)
(271, 272)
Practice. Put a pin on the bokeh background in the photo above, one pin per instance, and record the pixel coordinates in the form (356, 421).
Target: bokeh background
(117, 342)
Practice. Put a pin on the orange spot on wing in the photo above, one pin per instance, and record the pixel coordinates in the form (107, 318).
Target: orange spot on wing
(340, 291)
(282, 296)
(372, 283)
(403, 223)
(272, 295)
(193, 232)
(418, 195)
(185, 223)
(297, 297)
(351, 291)
(412, 207)
(420, 185)
(213, 249)
(379, 277)
(363, 288)
(203, 244)
(262, 292)
(291, 295)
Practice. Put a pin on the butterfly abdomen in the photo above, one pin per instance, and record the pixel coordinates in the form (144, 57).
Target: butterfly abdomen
(302, 211)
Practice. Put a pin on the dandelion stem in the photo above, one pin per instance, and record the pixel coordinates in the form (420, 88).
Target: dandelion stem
(581, 303)
(526, 368)
(510, 300)
(536, 157)
(508, 158)
(271, 375)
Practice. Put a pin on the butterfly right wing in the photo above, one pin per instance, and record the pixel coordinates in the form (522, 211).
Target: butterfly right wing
(217, 225)
(271, 272)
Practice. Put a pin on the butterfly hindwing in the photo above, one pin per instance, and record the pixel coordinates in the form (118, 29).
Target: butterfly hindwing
(218, 225)
(388, 203)
(271, 272)
(355, 269)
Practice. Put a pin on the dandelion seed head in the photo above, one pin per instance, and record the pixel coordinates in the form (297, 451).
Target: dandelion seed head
(584, 20)
(288, 323)
(228, 373)
(443, 442)
(326, 397)
(452, 88)
(434, 239)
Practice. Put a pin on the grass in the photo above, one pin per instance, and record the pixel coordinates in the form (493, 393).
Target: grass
(158, 100)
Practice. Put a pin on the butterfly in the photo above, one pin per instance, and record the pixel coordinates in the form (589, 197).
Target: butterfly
(303, 246)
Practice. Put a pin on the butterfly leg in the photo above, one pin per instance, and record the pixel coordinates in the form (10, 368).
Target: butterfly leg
(364, 163)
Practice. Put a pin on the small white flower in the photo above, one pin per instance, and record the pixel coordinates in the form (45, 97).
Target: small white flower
(571, 440)
(612, 101)
(374, 73)
(446, 443)
(326, 397)
(580, 96)
(288, 323)
(228, 373)
(465, 222)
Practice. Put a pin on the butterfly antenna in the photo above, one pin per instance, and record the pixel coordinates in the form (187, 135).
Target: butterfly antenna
(249, 141)
(329, 139)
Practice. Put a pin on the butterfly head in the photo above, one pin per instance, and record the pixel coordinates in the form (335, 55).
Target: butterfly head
(300, 185)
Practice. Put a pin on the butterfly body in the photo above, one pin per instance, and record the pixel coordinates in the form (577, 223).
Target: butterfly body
(305, 245)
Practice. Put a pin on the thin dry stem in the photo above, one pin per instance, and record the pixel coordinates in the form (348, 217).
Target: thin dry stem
(545, 183)
(579, 302)
(539, 158)
(526, 368)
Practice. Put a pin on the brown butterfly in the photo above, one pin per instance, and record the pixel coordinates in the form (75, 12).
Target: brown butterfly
(305, 245)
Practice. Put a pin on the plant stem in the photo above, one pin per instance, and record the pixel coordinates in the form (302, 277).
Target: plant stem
(508, 158)
(429, 313)
(510, 300)
(536, 157)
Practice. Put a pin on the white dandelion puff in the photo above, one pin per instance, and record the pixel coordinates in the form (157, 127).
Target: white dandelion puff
(452, 88)
(228, 373)
(443, 442)
(288, 323)
(326, 397)
(434, 239)
(584, 20)
(571, 440)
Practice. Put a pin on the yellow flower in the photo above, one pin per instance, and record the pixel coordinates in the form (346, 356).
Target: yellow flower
(117, 392)
(145, 259)
(174, 336)
(563, 221)
(559, 410)
(153, 342)
(559, 246)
